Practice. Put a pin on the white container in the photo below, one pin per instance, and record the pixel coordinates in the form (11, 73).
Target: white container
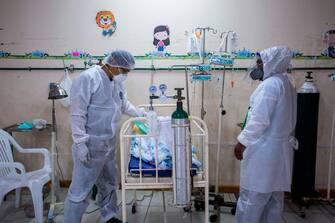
(39, 123)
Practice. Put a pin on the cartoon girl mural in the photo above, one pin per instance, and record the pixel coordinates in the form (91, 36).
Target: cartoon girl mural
(329, 39)
(161, 38)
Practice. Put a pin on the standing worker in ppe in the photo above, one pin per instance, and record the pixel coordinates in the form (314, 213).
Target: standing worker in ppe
(98, 100)
(265, 144)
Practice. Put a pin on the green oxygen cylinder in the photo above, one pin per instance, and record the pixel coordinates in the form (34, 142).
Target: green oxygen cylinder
(181, 165)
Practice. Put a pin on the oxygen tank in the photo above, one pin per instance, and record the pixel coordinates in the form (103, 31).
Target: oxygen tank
(308, 86)
(306, 131)
(181, 169)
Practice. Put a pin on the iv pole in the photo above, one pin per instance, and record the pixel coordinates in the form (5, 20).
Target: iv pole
(222, 112)
(219, 199)
(203, 56)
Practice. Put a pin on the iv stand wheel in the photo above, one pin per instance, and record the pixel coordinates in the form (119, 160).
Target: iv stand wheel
(187, 209)
(213, 218)
(50, 219)
(133, 209)
(233, 211)
(199, 205)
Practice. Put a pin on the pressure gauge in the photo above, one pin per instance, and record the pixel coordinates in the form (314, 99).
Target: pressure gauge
(152, 89)
(163, 88)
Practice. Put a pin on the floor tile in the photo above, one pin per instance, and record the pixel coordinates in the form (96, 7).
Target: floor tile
(289, 217)
(150, 210)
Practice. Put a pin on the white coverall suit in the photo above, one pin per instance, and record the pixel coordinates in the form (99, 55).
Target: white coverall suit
(97, 105)
(266, 168)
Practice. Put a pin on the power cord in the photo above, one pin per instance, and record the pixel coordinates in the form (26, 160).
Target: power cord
(145, 196)
(119, 205)
(146, 213)
(57, 159)
(110, 195)
(58, 165)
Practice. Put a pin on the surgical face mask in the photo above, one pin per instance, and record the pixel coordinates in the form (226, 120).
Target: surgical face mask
(120, 78)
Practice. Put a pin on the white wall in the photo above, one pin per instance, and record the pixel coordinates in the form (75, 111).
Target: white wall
(60, 26)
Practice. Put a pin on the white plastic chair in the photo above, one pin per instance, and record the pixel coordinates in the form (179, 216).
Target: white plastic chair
(14, 176)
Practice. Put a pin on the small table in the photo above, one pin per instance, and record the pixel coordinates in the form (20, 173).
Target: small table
(15, 128)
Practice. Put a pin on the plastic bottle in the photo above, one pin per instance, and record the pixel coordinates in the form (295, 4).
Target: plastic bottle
(153, 124)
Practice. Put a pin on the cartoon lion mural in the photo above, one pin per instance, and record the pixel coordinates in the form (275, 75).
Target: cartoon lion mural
(106, 21)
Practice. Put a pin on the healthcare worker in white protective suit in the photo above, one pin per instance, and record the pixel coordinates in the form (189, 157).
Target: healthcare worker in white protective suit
(265, 144)
(98, 100)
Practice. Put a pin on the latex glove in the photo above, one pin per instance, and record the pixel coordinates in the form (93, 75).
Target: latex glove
(239, 149)
(82, 152)
(141, 112)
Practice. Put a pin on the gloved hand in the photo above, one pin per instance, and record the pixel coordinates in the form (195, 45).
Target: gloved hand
(141, 112)
(239, 150)
(82, 152)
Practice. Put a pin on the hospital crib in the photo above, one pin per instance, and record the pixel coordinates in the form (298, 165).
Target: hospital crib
(136, 175)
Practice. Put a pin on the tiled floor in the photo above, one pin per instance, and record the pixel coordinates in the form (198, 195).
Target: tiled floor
(150, 210)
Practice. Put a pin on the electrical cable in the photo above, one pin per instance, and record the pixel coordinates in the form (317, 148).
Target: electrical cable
(144, 197)
(110, 195)
(146, 213)
(283, 219)
(60, 212)
(58, 165)
(57, 157)
(127, 203)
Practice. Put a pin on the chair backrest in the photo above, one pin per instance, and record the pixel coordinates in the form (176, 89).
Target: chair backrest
(6, 154)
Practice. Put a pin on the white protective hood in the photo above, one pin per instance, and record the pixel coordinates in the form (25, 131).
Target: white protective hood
(276, 60)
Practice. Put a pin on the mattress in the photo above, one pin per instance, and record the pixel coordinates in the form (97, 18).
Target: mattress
(149, 169)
